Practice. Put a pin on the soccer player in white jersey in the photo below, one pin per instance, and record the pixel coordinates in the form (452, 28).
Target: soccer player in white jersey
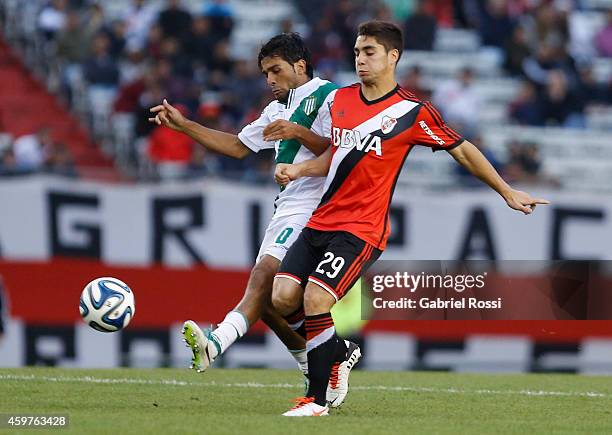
(297, 125)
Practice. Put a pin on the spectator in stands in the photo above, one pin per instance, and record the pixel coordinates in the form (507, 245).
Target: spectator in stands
(52, 18)
(531, 161)
(244, 87)
(420, 28)
(202, 164)
(413, 81)
(525, 108)
(187, 55)
(170, 150)
(221, 17)
(464, 13)
(175, 21)
(116, 37)
(537, 67)
(101, 68)
(201, 41)
(551, 24)
(516, 51)
(380, 11)
(286, 26)
(59, 161)
(94, 19)
(327, 45)
(495, 25)
(8, 165)
(138, 18)
(29, 150)
(155, 85)
(559, 104)
(6, 138)
(129, 94)
(102, 74)
(154, 42)
(603, 39)
(73, 47)
(590, 91)
(459, 102)
(133, 65)
(525, 164)
(73, 41)
(171, 52)
(222, 60)
(344, 16)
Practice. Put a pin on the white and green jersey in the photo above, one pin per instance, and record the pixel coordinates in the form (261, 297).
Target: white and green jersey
(309, 106)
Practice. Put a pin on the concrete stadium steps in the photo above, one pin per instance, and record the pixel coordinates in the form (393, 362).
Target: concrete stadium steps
(25, 106)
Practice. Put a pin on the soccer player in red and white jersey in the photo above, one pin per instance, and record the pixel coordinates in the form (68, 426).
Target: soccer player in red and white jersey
(375, 124)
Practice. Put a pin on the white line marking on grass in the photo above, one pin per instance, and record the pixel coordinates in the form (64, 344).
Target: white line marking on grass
(91, 379)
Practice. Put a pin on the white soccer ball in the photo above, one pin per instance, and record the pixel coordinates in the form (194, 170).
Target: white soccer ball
(107, 304)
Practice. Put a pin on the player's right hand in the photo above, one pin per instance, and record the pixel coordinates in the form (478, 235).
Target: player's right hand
(168, 115)
(284, 173)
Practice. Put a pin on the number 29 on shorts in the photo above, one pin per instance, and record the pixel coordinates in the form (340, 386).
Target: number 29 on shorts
(335, 263)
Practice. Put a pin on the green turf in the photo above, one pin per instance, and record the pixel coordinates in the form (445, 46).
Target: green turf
(221, 402)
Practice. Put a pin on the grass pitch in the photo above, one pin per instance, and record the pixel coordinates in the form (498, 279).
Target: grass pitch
(169, 401)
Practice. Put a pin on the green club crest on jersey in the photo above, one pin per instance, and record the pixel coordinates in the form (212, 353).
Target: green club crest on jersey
(310, 104)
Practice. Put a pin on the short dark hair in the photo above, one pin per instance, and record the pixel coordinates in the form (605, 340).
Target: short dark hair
(288, 46)
(386, 34)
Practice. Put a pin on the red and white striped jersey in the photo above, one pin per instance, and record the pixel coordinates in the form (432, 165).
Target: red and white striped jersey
(370, 142)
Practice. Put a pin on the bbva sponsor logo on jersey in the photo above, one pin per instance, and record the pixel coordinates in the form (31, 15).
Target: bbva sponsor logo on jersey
(346, 138)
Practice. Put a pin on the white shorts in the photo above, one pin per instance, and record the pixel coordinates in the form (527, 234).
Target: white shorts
(280, 235)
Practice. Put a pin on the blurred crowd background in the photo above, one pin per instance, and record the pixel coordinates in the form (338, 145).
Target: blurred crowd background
(528, 81)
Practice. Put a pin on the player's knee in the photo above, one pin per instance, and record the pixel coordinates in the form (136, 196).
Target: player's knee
(286, 296)
(317, 300)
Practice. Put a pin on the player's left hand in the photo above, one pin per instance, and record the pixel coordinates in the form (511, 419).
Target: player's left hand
(523, 202)
(284, 173)
(280, 176)
(281, 129)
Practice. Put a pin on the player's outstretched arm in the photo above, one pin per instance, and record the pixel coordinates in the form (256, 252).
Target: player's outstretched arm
(318, 167)
(474, 161)
(282, 129)
(213, 140)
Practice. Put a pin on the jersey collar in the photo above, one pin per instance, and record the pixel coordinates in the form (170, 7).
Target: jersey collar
(297, 94)
(379, 99)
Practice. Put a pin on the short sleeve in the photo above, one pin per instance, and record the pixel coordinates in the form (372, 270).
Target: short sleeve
(430, 130)
(322, 123)
(252, 134)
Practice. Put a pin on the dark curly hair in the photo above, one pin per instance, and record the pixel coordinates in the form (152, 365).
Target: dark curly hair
(288, 46)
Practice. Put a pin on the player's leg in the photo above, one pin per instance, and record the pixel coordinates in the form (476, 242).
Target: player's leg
(292, 276)
(250, 308)
(280, 237)
(345, 258)
(288, 291)
(255, 303)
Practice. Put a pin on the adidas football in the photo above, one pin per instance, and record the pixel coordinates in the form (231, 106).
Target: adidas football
(107, 304)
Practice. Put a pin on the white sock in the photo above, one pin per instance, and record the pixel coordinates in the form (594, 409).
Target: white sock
(301, 357)
(229, 330)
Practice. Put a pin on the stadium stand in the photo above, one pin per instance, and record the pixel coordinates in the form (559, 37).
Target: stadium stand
(540, 73)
